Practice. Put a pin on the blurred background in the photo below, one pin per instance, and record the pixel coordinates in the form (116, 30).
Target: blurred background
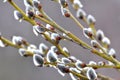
(15, 67)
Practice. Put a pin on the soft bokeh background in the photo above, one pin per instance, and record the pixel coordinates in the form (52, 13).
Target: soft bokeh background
(15, 67)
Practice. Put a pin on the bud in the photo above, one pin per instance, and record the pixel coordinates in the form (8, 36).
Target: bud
(49, 27)
(18, 15)
(91, 74)
(95, 44)
(112, 52)
(79, 64)
(62, 69)
(65, 60)
(65, 12)
(63, 3)
(37, 4)
(106, 41)
(22, 52)
(38, 30)
(55, 37)
(81, 14)
(43, 48)
(51, 56)
(38, 60)
(99, 35)
(77, 4)
(91, 20)
(88, 32)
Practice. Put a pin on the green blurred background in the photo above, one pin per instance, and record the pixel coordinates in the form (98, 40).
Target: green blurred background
(15, 67)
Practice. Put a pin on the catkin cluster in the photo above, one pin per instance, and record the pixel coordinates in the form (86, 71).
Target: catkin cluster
(56, 56)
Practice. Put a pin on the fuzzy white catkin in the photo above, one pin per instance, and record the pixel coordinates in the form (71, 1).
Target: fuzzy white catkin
(36, 4)
(65, 60)
(27, 3)
(92, 63)
(2, 44)
(49, 27)
(31, 46)
(17, 40)
(62, 69)
(43, 48)
(35, 32)
(72, 76)
(101, 63)
(54, 37)
(106, 41)
(54, 49)
(80, 13)
(77, 4)
(66, 50)
(91, 19)
(91, 74)
(38, 60)
(63, 11)
(47, 33)
(100, 35)
(73, 58)
(22, 51)
(78, 64)
(5, 1)
(94, 43)
(37, 51)
(38, 30)
(18, 15)
(74, 70)
(52, 56)
(112, 52)
(87, 32)
(63, 3)
(29, 9)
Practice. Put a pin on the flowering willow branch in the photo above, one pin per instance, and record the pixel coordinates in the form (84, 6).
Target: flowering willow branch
(45, 56)
(29, 53)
